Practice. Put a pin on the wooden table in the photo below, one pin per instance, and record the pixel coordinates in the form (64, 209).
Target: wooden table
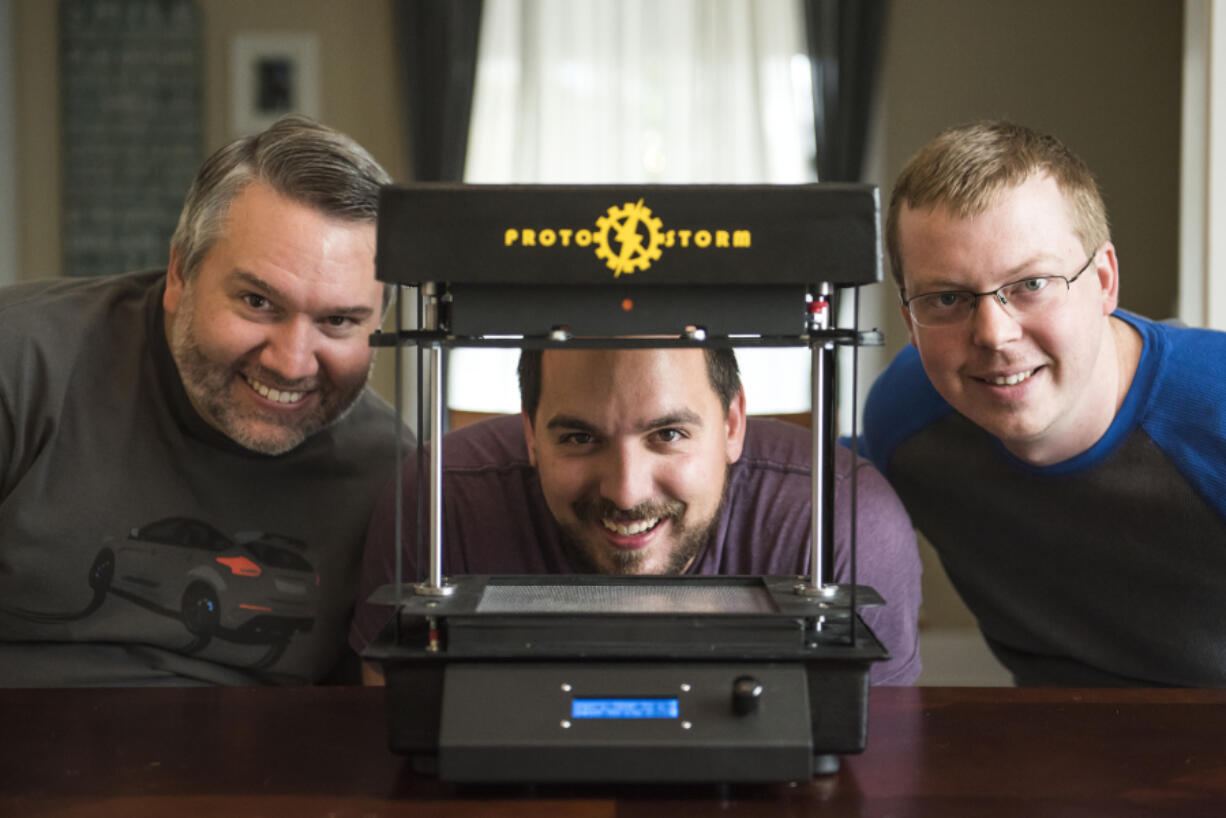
(990, 753)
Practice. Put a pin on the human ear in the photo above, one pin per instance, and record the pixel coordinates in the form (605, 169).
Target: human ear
(734, 426)
(1107, 268)
(175, 283)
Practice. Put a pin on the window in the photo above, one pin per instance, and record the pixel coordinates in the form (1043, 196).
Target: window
(655, 91)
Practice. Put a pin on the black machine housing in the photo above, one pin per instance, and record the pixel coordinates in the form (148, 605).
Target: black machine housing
(607, 679)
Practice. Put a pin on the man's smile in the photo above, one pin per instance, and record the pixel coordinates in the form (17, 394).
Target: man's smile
(629, 529)
(274, 395)
(1010, 379)
(633, 528)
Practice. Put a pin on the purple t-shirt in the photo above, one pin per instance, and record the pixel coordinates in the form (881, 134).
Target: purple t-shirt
(495, 521)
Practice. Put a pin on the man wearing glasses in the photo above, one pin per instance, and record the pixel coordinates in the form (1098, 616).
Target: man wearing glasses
(1066, 459)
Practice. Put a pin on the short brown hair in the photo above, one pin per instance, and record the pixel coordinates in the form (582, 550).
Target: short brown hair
(722, 372)
(298, 158)
(965, 168)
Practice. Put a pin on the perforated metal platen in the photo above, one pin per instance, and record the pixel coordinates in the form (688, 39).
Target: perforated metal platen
(634, 599)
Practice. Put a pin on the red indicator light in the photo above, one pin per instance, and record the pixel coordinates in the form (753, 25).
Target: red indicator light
(627, 305)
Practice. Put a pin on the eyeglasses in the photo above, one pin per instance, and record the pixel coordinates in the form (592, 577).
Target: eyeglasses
(1028, 296)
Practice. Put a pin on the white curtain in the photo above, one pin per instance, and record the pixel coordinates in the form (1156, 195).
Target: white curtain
(640, 91)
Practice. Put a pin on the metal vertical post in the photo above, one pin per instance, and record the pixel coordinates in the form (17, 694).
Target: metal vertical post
(435, 578)
(821, 566)
(434, 584)
(398, 480)
(830, 422)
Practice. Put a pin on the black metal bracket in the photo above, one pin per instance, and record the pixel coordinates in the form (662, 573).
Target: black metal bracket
(413, 337)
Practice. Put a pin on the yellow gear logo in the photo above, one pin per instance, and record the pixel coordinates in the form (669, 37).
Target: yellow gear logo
(625, 223)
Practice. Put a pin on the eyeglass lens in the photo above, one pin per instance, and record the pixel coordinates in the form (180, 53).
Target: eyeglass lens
(1019, 298)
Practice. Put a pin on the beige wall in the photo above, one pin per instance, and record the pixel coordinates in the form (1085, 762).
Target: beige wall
(360, 88)
(36, 94)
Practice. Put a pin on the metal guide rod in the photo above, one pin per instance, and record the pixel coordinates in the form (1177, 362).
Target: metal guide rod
(817, 521)
(830, 417)
(822, 468)
(435, 578)
(398, 532)
(855, 470)
(434, 584)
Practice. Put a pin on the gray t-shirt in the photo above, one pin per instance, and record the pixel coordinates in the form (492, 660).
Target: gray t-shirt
(138, 545)
(496, 522)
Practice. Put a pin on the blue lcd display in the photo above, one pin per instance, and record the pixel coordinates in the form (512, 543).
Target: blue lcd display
(624, 708)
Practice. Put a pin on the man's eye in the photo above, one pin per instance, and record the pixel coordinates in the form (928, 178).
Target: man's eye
(1029, 290)
(946, 299)
(577, 438)
(669, 435)
(255, 301)
(339, 321)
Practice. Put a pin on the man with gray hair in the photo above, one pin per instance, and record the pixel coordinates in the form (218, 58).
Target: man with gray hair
(189, 457)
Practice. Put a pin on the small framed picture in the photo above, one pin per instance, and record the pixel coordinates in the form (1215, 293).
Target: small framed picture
(272, 74)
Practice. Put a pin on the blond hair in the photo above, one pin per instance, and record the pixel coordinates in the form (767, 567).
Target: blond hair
(965, 169)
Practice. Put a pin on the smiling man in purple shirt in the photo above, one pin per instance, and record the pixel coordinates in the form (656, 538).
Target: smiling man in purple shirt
(644, 462)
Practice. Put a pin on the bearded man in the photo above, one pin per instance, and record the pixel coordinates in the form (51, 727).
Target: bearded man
(643, 462)
(189, 457)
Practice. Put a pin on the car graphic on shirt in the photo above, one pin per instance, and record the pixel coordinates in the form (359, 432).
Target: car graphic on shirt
(254, 587)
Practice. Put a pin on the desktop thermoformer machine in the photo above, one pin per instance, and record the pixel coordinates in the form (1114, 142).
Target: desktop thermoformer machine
(602, 679)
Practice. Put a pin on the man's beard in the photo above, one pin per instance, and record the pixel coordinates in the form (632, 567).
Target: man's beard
(689, 539)
(208, 385)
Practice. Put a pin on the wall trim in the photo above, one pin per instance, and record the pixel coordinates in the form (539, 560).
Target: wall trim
(8, 149)
(1202, 195)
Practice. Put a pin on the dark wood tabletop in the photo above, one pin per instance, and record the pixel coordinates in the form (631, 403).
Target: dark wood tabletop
(947, 752)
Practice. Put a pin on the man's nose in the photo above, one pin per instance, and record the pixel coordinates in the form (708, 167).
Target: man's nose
(627, 476)
(992, 323)
(291, 350)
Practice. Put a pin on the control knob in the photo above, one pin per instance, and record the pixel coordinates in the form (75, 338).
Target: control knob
(746, 695)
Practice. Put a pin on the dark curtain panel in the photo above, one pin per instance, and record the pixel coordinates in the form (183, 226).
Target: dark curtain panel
(438, 41)
(844, 46)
